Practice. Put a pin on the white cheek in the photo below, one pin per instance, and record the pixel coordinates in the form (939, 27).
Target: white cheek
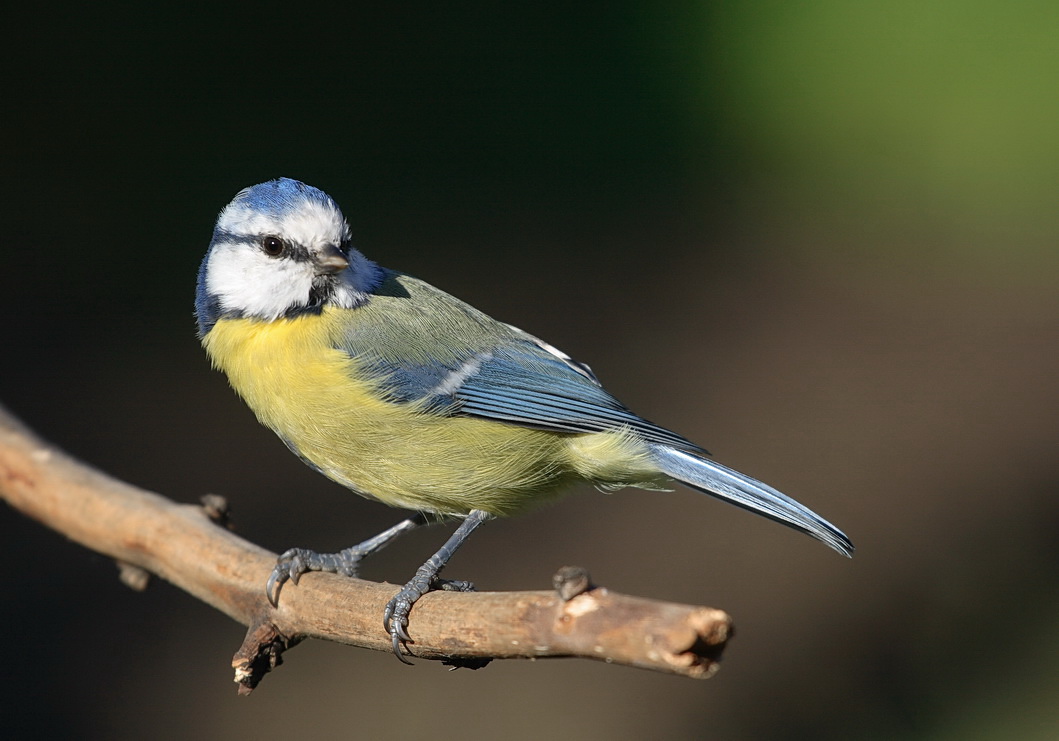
(247, 280)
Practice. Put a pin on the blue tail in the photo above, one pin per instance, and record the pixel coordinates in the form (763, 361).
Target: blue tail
(724, 483)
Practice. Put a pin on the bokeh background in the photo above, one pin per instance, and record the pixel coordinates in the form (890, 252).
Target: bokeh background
(820, 238)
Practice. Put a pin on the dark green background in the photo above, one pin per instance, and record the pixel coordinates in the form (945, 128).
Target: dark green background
(819, 238)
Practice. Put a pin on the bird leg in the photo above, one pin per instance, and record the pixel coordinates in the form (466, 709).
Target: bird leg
(427, 579)
(296, 561)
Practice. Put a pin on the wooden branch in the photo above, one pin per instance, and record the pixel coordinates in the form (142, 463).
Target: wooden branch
(146, 532)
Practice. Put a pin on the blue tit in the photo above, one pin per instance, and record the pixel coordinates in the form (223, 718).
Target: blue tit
(405, 394)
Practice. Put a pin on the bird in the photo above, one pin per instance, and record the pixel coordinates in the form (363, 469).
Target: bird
(406, 395)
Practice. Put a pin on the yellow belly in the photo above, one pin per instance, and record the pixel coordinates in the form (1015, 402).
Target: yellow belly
(307, 391)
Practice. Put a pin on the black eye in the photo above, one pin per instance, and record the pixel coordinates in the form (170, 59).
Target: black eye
(273, 246)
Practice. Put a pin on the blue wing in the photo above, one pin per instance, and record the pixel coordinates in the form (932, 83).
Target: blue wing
(521, 381)
(483, 368)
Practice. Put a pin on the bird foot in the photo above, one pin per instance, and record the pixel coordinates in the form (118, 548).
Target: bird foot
(296, 561)
(395, 617)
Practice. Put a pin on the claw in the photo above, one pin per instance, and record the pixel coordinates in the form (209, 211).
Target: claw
(274, 585)
(289, 567)
(394, 621)
(397, 651)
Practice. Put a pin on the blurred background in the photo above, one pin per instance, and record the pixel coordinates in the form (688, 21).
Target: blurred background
(818, 238)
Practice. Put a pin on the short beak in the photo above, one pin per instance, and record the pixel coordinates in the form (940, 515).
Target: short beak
(330, 260)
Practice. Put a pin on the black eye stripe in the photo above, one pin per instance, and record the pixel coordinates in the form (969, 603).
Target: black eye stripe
(293, 251)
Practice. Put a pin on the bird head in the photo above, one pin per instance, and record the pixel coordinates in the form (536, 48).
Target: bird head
(280, 249)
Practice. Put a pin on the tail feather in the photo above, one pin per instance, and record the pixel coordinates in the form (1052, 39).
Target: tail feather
(725, 483)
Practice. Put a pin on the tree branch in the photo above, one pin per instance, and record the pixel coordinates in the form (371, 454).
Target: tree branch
(146, 532)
